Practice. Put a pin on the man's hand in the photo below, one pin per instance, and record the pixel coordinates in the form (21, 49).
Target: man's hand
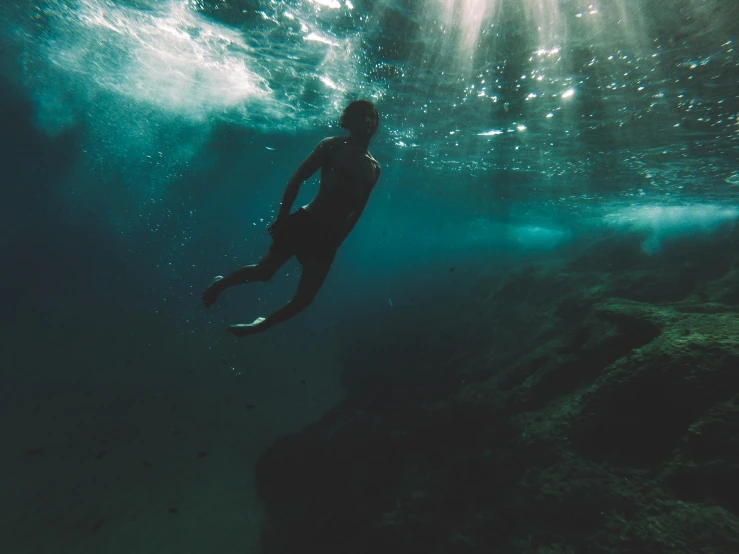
(276, 226)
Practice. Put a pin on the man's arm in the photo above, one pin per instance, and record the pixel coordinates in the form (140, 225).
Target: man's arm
(309, 166)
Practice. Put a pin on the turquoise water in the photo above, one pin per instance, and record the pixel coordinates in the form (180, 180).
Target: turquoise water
(145, 148)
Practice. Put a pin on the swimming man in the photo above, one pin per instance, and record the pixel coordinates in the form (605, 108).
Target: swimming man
(314, 232)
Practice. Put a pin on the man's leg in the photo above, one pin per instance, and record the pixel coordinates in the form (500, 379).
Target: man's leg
(313, 276)
(262, 271)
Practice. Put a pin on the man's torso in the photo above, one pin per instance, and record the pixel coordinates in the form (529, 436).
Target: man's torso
(347, 178)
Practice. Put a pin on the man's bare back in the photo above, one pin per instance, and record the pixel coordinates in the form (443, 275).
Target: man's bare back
(348, 175)
(314, 233)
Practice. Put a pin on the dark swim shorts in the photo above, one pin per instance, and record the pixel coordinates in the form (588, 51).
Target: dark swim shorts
(305, 237)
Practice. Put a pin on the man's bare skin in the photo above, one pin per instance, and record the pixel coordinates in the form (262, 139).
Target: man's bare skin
(348, 175)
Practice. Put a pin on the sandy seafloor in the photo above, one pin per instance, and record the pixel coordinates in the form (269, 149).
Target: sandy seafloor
(162, 409)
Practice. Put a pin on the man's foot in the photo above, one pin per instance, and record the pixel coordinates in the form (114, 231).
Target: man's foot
(211, 293)
(243, 329)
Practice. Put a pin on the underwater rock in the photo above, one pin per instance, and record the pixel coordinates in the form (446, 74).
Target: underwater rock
(704, 467)
(591, 404)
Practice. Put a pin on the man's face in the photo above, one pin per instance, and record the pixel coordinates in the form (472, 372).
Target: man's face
(371, 121)
(367, 122)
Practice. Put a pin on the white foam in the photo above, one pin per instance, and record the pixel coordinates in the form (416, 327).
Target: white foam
(165, 55)
(523, 236)
(661, 222)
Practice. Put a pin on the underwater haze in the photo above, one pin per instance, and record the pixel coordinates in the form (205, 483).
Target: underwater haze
(529, 343)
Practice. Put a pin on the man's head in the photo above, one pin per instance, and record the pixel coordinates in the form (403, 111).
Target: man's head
(360, 118)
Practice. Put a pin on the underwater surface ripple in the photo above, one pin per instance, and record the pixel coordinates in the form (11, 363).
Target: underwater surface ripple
(618, 97)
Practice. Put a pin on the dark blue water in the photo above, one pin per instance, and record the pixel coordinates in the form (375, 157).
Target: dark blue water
(144, 149)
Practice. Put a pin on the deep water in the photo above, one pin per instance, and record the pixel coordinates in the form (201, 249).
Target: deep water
(527, 344)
